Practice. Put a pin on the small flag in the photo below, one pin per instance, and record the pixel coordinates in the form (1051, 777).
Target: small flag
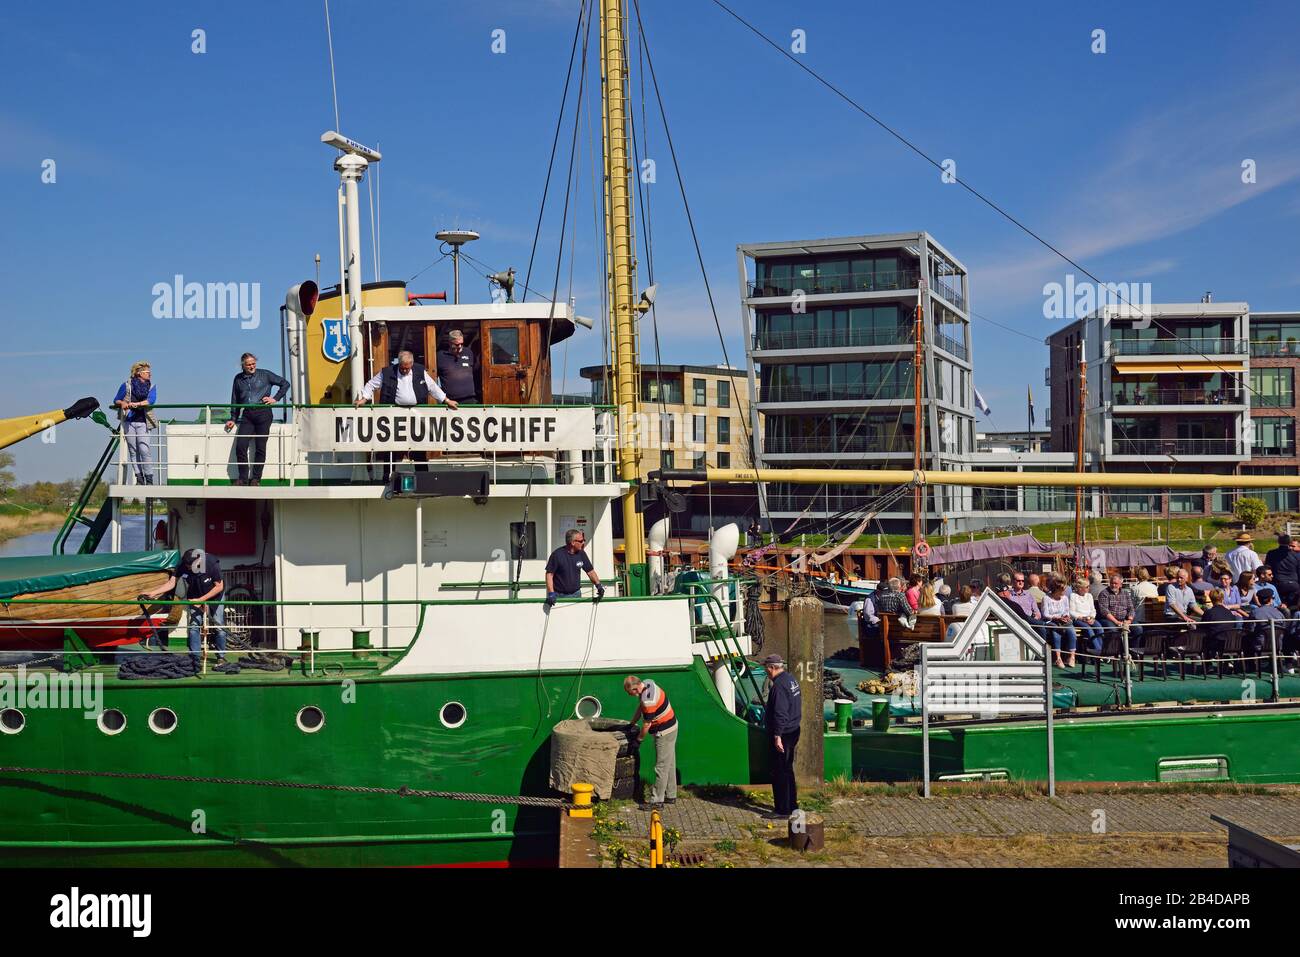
(1031, 408)
(981, 404)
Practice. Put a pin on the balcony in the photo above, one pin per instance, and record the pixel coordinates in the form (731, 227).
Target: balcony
(846, 393)
(1175, 447)
(953, 295)
(1274, 349)
(846, 445)
(1178, 347)
(885, 281)
(952, 346)
(1148, 396)
(833, 338)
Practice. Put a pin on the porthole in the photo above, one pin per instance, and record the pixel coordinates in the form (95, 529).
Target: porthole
(111, 721)
(162, 721)
(588, 707)
(452, 715)
(12, 721)
(311, 719)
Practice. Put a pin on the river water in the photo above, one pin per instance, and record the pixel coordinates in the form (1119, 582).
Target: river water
(40, 543)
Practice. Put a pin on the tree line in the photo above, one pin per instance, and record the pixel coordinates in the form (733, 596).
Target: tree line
(43, 496)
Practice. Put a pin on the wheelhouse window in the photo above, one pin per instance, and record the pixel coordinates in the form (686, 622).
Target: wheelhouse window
(505, 346)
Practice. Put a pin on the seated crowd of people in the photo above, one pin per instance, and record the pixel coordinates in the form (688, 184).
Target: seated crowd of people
(1230, 602)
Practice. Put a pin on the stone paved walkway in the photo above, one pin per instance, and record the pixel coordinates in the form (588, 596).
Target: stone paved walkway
(1274, 815)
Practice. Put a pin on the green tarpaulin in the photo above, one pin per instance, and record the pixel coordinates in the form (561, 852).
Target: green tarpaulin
(37, 573)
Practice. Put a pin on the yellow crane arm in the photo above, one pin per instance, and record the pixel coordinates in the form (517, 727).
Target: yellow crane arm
(24, 426)
(1162, 480)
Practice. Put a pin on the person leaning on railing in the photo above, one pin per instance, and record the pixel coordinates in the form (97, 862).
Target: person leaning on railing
(252, 387)
(133, 399)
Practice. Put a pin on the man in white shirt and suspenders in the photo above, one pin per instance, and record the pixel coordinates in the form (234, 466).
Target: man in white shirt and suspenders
(656, 716)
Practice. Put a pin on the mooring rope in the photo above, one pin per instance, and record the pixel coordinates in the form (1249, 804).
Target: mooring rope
(520, 800)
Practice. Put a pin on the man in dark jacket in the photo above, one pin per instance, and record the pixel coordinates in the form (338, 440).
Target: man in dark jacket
(253, 387)
(784, 709)
(1285, 563)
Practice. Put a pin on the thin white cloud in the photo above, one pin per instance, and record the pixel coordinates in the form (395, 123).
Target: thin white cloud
(1168, 173)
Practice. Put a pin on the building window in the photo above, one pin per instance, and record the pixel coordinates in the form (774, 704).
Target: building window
(699, 386)
(1133, 502)
(1274, 435)
(656, 389)
(724, 460)
(666, 430)
(699, 429)
(724, 431)
(1272, 388)
(699, 461)
(724, 394)
(1186, 503)
(666, 459)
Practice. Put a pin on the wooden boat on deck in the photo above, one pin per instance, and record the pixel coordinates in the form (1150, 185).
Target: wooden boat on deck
(34, 590)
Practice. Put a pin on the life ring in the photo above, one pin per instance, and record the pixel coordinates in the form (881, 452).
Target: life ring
(921, 550)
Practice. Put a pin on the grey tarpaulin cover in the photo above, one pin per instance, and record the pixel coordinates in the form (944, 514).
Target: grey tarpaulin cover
(579, 754)
(1023, 546)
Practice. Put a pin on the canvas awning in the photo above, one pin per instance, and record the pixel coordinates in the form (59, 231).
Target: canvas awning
(1182, 365)
(37, 573)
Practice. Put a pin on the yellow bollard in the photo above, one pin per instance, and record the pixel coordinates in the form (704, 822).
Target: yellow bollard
(656, 840)
(582, 798)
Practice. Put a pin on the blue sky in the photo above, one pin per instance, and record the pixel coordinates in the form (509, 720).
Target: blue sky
(210, 165)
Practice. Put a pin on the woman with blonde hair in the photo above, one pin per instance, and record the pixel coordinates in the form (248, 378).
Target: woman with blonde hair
(928, 603)
(134, 398)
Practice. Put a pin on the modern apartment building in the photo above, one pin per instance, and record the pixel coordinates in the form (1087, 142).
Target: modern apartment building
(829, 325)
(695, 416)
(1274, 359)
(1181, 387)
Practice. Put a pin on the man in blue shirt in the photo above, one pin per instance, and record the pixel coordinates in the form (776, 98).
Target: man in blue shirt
(565, 567)
(456, 369)
(253, 387)
(784, 711)
(201, 574)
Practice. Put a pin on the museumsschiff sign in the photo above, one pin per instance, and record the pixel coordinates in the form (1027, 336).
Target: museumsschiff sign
(434, 429)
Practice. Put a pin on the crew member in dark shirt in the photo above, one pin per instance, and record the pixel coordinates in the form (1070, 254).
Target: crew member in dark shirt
(253, 387)
(784, 710)
(204, 585)
(1285, 563)
(565, 567)
(456, 369)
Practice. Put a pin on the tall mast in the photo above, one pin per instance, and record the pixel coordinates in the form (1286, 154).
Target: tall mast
(1079, 561)
(918, 419)
(620, 253)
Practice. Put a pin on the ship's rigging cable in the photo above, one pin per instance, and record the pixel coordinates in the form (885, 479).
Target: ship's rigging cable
(939, 166)
(329, 35)
(695, 239)
(555, 142)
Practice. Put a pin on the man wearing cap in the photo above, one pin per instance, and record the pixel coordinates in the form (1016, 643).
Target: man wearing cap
(655, 713)
(201, 574)
(1243, 558)
(784, 710)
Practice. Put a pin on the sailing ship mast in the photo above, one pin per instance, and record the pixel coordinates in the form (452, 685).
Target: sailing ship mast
(918, 420)
(620, 256)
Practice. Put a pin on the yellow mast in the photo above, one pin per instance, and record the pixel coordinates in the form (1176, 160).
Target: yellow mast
(1008, 479)
(620, 253)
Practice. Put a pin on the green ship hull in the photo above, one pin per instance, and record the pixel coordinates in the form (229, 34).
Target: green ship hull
(389, 736)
